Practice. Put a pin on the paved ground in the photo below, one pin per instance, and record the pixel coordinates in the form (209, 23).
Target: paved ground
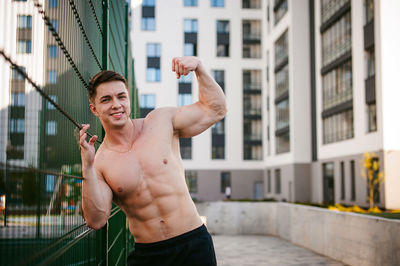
(264, 250)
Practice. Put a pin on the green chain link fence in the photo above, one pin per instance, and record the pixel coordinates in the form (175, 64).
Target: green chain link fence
(60, 45)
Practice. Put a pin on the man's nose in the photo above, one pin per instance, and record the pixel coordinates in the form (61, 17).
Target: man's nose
(116, 103)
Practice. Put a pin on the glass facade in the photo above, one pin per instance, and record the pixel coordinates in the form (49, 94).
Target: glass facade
(337, 86)
(338, 127)
(336, 40)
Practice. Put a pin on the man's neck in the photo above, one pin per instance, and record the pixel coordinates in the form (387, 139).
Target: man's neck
(121, 136)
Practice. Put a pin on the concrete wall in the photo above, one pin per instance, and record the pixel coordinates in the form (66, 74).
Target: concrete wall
(351, 238)
(242, 184)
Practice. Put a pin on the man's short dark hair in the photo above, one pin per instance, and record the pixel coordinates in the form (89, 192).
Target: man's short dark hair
(103, 77)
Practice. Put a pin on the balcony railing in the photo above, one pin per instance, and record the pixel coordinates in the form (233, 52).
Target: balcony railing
(254, 86)
(333, 100)
(252, 36)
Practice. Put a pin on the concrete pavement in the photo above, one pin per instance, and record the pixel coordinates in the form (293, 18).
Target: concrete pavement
(264, 250)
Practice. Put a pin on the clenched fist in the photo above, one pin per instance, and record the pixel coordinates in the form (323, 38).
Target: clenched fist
(183, 65)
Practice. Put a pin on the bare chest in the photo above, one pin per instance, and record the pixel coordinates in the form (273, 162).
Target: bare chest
(130, 173)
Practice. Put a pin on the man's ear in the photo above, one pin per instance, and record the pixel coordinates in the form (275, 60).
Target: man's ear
(93, 109)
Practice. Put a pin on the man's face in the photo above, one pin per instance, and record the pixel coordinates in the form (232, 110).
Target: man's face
(112, 104)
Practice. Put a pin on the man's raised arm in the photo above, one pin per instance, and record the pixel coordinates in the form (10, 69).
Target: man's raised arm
(193, 119)
(96, 194)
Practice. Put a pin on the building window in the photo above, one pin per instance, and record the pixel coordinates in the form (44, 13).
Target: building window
(153, 50)
(251, 35)
(24, 22)
(282, 114)
(371, 116)
(225, 181)
(222, 38)
(343, 178)
(283, 143)
(269, 181)
(369, 11)
(338, 127)
(189, 2)
(370, 58)
(254, 4)
(17, 125)
(281, 49)
(190, 26)
(54, 24)
(16, 75)
(186, 79)
(51, 128)
(336, 40)
(24, 46)
(149, 23)
(184, 99)
(50, 106)
(277, 181)
(151, 3)
(153, 75)
(328, 183)
(189, 49)
(219, 77)
(191, 181)
(218, 140)
(282, 81)
(50, 183)
(147, 101)
(280, 9)
(337, 86)
(330, 7)
(186, 148)
(217, 3)
(353, 180)
(18, 99)
(52, 51)
(53, 3)
(51, 77)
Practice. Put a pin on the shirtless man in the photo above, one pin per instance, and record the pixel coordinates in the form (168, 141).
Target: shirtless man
(139, 167)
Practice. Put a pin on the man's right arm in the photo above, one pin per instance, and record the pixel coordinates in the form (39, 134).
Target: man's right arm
(96, 194)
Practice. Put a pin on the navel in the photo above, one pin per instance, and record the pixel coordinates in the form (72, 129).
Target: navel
(165, 161)
(120, 189)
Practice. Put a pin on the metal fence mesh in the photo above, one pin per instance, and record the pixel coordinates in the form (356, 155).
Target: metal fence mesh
(49, 50)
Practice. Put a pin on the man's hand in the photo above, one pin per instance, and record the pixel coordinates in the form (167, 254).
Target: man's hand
(183, 65)
(87, 148)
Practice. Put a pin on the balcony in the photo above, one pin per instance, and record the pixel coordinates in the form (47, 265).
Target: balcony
(251, 37)
(254, 87)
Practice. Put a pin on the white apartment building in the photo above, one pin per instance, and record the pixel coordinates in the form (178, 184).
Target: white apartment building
(310, 87)
(21, 26)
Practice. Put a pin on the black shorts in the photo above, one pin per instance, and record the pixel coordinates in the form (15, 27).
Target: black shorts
(192, 248)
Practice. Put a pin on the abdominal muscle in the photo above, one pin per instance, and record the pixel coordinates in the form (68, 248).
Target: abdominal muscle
(153, 217)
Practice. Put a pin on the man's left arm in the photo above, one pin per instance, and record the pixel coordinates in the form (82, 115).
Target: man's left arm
(193, 119)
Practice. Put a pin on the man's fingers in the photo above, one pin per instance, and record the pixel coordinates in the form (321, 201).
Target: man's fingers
(92, 140)
(84, 129)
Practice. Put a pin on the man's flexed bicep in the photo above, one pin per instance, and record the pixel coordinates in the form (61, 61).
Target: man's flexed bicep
(193, 119)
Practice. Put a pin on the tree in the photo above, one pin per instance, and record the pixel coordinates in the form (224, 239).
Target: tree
(372, 176)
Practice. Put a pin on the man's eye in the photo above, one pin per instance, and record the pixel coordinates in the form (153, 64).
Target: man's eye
(104, 100)
(122, 97)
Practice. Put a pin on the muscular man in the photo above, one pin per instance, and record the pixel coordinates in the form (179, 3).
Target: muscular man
(139, 167)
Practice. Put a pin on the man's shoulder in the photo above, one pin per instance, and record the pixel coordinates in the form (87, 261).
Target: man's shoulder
(161, 112)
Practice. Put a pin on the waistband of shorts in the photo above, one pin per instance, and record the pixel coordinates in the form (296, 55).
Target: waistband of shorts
(174, 240)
